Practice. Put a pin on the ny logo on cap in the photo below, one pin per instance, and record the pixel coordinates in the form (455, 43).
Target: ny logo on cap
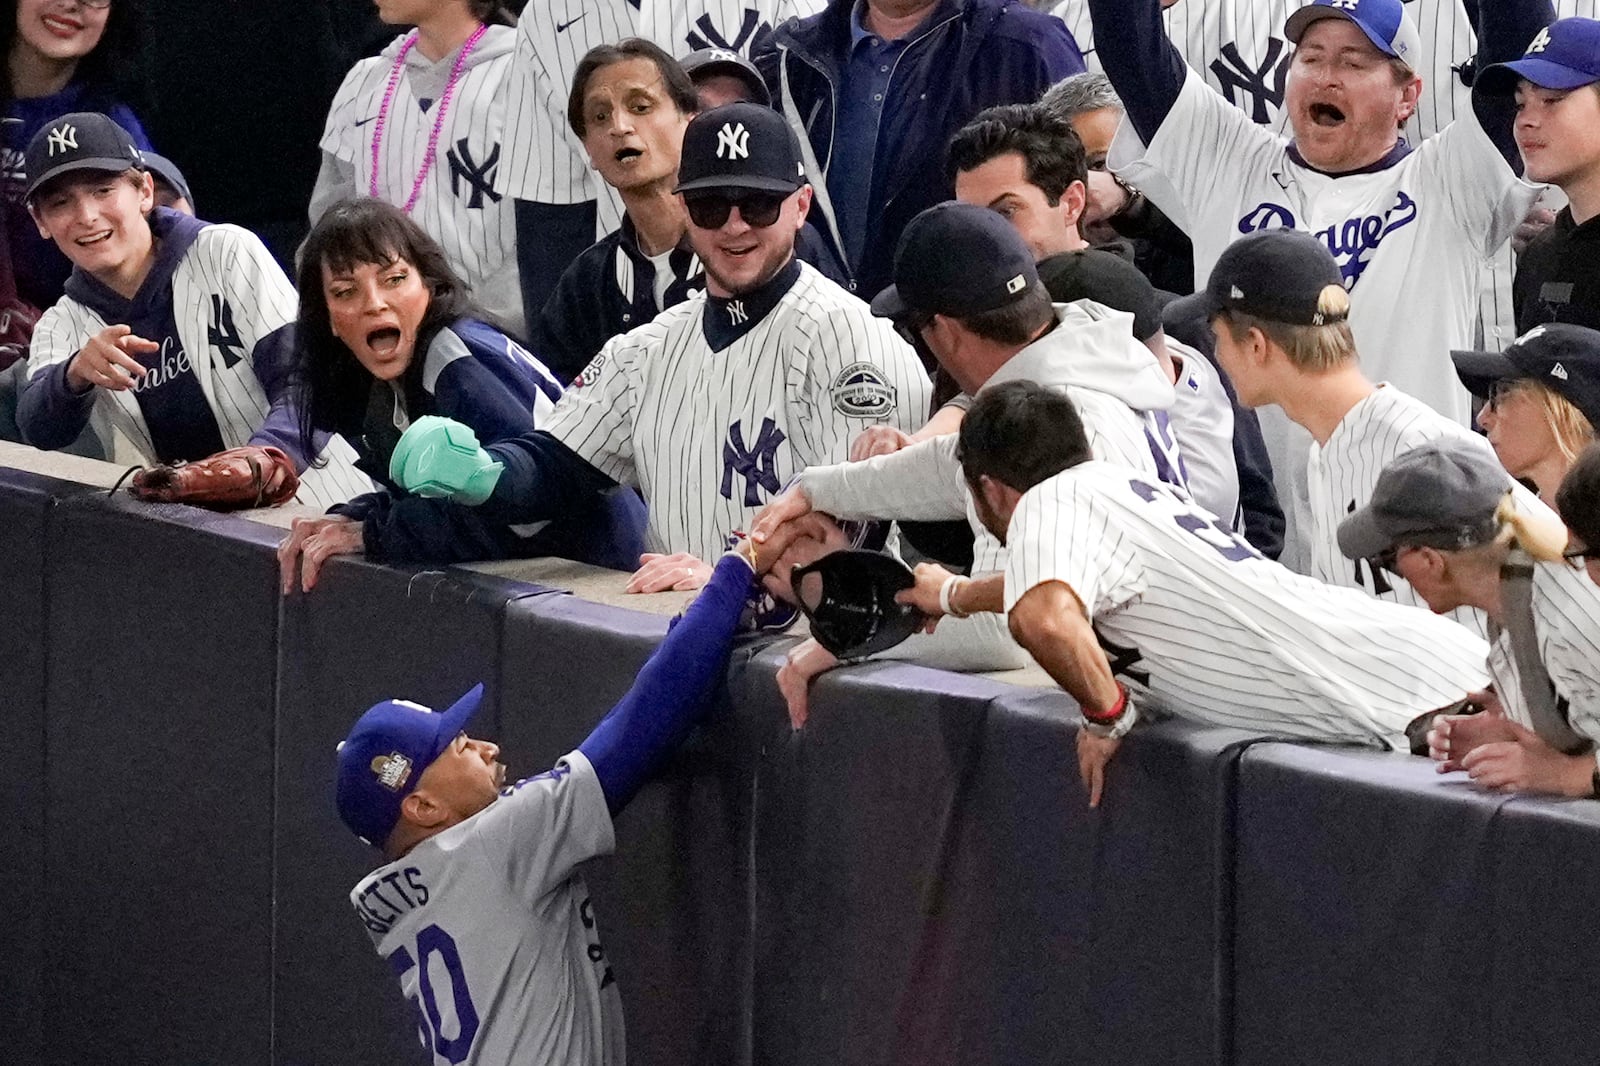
(733, 141)
(1540, 42)
(722, 55)
(392, 770)
(736, 313)
(1559, 371)
(63, 138)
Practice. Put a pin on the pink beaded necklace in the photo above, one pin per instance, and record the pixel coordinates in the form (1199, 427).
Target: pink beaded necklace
(438, 120)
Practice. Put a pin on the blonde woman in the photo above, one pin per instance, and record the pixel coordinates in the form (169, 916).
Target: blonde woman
(1442, 516)
(1542, 400)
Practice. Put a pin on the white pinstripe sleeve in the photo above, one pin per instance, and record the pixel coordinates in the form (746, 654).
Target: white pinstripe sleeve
(57, 336)
(1061, 532)
(339, 133)
(595, 416)
(845, 348)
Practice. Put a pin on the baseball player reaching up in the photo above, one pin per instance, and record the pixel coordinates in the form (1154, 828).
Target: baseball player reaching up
(713, 407)
(478, 908)
(1135, 601)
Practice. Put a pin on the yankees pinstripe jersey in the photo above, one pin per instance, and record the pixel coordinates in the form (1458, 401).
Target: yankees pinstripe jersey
(463, 202)
(1199, 625)
(1566, 621)
(546, 161)
(491, 934)
(713, 407)
(231, 308)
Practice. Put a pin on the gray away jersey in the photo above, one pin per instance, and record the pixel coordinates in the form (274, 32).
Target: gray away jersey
(1566, 621)
(1200, 625)
(491, 933)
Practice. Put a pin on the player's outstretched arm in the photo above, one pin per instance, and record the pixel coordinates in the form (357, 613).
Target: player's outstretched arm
(1144, 67)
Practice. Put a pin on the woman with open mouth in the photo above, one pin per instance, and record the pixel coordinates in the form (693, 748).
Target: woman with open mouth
(388, 334)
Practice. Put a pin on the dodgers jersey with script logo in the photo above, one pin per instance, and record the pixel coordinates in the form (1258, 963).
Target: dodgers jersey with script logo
(1202, 626)
(491, 934)
(1409, 237)
(711, 435)
(546, 161)
(1566, 621)
(465, 202)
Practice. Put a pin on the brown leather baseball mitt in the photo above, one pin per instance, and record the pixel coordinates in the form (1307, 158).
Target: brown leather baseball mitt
(239, 478)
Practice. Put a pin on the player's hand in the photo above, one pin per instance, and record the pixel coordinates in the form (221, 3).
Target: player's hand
(1528, 764)
(1094, 755)
(805, 540)
(924, 594)
(311, 543)
(1536, 221)
(106, 360)
(803, 663)
(1454, 736)
(678, 572)
(1106, 199)
(878, 440)
(788, 505)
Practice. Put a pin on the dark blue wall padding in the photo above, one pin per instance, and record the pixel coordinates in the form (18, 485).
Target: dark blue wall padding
(672, 903)
(1364, 896)
(160, 686)
(1545, 956)
(366, 633)
(1065, 934)
(26, 503)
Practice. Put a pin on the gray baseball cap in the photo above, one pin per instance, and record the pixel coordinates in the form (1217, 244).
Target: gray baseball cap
(1444, 493)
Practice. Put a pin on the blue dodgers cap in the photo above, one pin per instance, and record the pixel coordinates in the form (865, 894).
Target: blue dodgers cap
(1385, 23)
(383, 758)
(1564, 55)
(957, 259)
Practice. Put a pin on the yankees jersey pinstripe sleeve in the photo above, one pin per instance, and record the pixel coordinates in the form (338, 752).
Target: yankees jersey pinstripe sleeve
(710, 430)
(1199, 625)
(1566, 621)
(491, 933)
(460, 194)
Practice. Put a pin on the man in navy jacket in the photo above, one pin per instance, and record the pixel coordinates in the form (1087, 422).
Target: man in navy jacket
(875, 88)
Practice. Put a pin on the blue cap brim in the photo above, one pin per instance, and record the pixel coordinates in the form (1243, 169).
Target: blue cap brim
(1501, 78)
(454, 719)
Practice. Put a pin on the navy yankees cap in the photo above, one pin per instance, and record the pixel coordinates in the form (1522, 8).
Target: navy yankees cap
(1281, 275)
(957, 259)
(166, 170)
(82, 140)
(382, 759)
(1443, 493)
(1384, 22)
(848, 596)
(1564, 55)
(1098, 275)
(709, 62)
(740, 146)
(1562, 356)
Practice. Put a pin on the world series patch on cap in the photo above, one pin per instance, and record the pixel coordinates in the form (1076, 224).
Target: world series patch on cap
(848, 596)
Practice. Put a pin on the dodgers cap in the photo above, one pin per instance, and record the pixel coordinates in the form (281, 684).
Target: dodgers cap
(740, 146)
(709, 62)
(957, 259)
(383, 758)
(1562, 356)
(82, 140)
(848, 596)
(1564, 55)
(1280, 275)
(1443, 493)
(1385, 23)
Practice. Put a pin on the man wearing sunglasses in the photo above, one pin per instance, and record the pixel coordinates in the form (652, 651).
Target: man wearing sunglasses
(717, 404)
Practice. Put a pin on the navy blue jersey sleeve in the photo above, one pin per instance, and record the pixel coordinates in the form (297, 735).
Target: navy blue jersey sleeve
(49, 413)
(1144, 67)
(549, 237)
(273, 360)
(472, 394)
(672, 691)
(1505, 29)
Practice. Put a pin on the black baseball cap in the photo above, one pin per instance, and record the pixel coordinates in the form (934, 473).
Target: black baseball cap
(709, 62)
(740, 146)
(849, 598)
(957, 259)
(1564, 357)
(82, 140)
(166, 170)
(1279, 275)
(1094, 274)
(1443, 493)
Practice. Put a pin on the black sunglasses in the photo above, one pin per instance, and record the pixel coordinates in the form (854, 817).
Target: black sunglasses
(758, 209)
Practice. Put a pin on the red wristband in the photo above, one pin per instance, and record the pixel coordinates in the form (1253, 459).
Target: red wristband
(1109, 716)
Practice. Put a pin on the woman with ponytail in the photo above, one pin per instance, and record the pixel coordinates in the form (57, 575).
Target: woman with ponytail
(1446, 518)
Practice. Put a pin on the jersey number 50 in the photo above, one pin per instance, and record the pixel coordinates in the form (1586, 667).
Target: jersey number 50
(430, 1024)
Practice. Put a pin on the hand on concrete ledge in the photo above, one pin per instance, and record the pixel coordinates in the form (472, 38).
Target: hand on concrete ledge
(311, 543)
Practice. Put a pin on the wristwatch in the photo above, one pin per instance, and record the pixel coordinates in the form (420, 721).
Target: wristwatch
(1114, 723)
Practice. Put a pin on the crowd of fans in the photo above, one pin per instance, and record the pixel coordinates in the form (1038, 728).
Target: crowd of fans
(815, 258)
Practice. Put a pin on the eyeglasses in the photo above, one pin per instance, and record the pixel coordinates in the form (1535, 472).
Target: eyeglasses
(1387, 559)
(1503, 390)
(758, 209)
(911, 325)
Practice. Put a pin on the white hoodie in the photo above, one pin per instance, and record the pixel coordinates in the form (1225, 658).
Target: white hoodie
(1115, 384)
